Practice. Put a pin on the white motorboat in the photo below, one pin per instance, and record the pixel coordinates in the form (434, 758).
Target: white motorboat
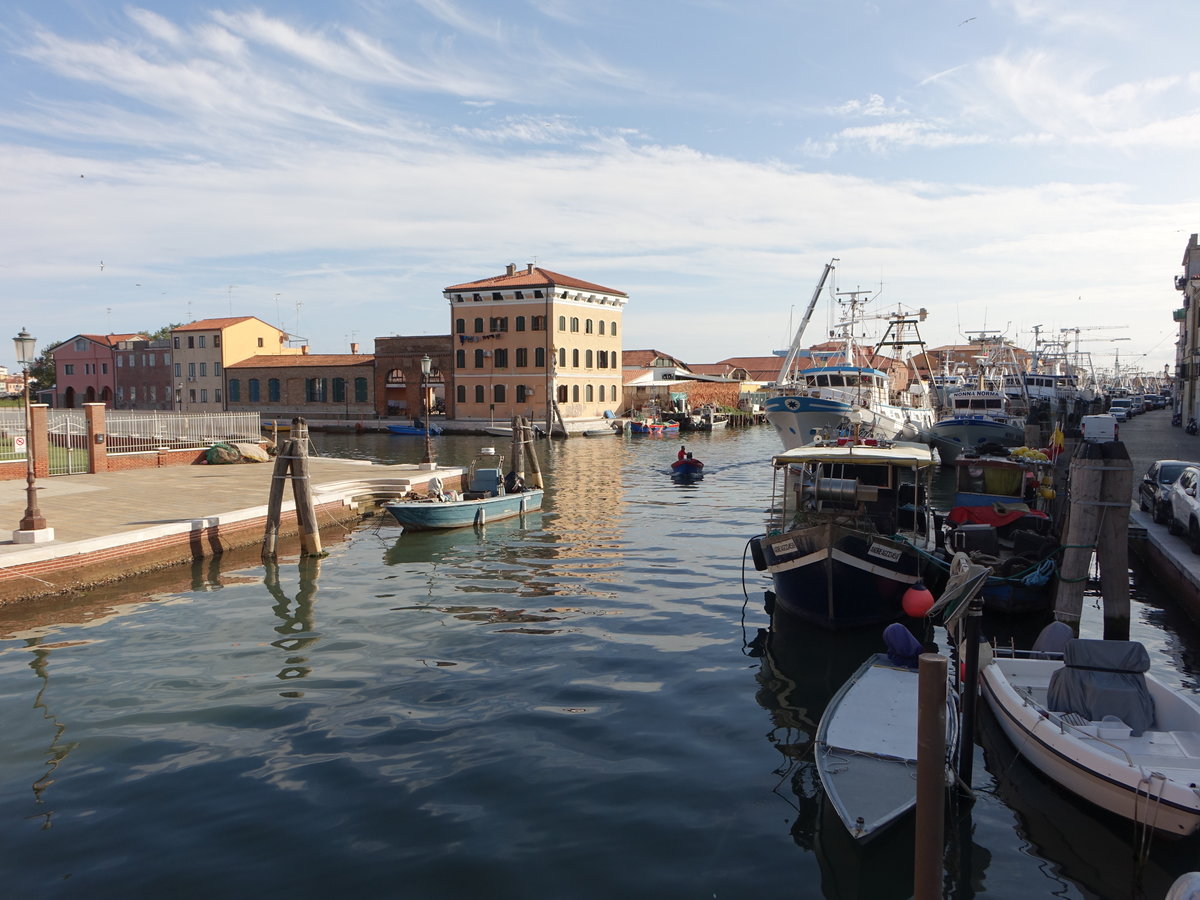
(866, 745)
(1099, 724)
(976, 418)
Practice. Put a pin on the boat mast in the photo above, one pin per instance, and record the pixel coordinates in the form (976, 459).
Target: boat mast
(785, 370)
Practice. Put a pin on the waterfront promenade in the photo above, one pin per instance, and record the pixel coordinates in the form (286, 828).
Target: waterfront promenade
(119, 523)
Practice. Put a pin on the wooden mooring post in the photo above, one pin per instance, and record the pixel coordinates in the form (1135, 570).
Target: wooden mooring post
(931, 776)
(292, 463)
(1100, 488)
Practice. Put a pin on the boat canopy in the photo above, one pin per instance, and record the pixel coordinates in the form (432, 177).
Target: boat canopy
(910, 456)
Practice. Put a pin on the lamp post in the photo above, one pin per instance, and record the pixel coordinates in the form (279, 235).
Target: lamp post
(33, 525)
(426, 368)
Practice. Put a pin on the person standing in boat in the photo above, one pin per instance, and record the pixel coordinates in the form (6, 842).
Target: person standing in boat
(682, 453)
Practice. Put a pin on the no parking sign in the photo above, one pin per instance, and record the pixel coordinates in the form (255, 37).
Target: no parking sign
(19, 442)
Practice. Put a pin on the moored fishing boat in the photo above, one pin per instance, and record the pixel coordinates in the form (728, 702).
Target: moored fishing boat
(413, 429)
(847, 393)
(976, 418)
(654, 427)
(852, 530)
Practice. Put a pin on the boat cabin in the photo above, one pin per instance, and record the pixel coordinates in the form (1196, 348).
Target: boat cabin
(875, 483)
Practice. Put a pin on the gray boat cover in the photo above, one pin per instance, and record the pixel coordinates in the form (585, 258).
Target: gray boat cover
(1104, 678)
(1053, 639)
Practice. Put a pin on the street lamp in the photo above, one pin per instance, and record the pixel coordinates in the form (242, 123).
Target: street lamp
(426, 368)
(33, 528)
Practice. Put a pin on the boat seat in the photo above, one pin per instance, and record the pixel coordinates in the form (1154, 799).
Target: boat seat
(486, 482)
(1104, 678)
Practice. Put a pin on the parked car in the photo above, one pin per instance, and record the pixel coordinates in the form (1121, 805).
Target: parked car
(1120, 413)
(1156, 485)
(1185, 507)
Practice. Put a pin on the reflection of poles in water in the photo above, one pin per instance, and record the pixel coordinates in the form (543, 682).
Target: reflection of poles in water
(57, 752)
(298, 628)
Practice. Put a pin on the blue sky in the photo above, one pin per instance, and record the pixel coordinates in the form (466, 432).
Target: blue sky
(330, 167)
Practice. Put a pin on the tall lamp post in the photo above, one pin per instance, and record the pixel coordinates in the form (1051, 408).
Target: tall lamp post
(33, 528)
(426, 368)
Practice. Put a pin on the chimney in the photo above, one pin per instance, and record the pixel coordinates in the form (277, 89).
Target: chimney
(510, 269)
(354, 349)
(528, 268)
(304, 349)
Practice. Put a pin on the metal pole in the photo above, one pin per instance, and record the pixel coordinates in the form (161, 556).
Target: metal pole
(33, 519)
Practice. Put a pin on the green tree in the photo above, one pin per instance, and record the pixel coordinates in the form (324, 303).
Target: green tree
(42, 370)
(164, 332)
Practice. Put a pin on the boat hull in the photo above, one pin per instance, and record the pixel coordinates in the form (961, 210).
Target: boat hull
(866, 746)
(954, 435)
(413, 429)
(800, 420)
(839, 577)
(654, 428)
(1080, 762)
(423, 515)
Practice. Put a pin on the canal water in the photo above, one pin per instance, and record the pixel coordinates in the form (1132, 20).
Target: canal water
(585, 704)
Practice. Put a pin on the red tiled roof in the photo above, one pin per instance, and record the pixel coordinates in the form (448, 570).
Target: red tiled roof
(644, 359)
(303, 361)
(111, 340)
(214, 324)
(532, 276)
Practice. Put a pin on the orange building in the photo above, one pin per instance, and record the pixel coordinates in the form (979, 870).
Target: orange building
(535, 343)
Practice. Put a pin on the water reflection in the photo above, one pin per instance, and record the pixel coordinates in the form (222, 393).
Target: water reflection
(297, 626)
(58, 750)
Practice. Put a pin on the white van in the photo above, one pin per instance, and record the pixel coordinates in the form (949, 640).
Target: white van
(1099, 429)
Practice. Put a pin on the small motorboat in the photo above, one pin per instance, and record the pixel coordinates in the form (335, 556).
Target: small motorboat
(658, 428)
(687, 466)
(1096, 721)
(413, 429)
(866, 745)
(490, 496)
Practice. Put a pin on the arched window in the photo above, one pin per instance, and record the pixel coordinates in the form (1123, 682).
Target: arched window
(562, 393)
(588, 393)
(273, 389)
(461, 393)
(460, 359)
(575, 357)
(479, 393)
(562, 323)
(574, 393)
(479, 359)
(562, 357)
(521, 393)
(520, 323)
(587, 326)
(539, 357)
(498, 393)
(479, 325)
(460, 326)
(235, 390)
(574, 323)
(360, 389)
(614, 329)
(339, 390)
(601, 393)
(252, 391)
(602, 326)
(587, 359)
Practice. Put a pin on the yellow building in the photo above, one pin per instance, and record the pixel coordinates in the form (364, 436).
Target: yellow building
(535, 343)
(201, 350)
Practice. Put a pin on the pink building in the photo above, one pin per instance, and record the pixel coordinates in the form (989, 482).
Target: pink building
(84, 370)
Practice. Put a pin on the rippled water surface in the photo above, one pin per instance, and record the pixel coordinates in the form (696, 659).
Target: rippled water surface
(564, 707)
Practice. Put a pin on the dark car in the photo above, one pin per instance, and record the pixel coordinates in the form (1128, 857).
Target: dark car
(1156, 483)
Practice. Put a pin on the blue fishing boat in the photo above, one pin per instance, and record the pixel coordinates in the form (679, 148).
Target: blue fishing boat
(413, 429)
(490, 496)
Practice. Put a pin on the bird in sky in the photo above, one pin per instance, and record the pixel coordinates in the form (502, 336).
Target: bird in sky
(965, 21)
(101, 265)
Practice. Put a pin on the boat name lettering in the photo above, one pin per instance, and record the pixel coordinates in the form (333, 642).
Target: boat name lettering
(891, 554)
(784, 547)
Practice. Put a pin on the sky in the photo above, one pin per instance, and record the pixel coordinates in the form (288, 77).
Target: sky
(330, 167)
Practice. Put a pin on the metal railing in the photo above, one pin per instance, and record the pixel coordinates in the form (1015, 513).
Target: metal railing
(145, 431)
(12, 426)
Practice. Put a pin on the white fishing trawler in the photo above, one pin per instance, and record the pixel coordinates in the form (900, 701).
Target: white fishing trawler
(847, 393)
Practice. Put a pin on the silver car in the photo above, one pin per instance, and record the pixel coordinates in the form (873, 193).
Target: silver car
(1185, 507)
